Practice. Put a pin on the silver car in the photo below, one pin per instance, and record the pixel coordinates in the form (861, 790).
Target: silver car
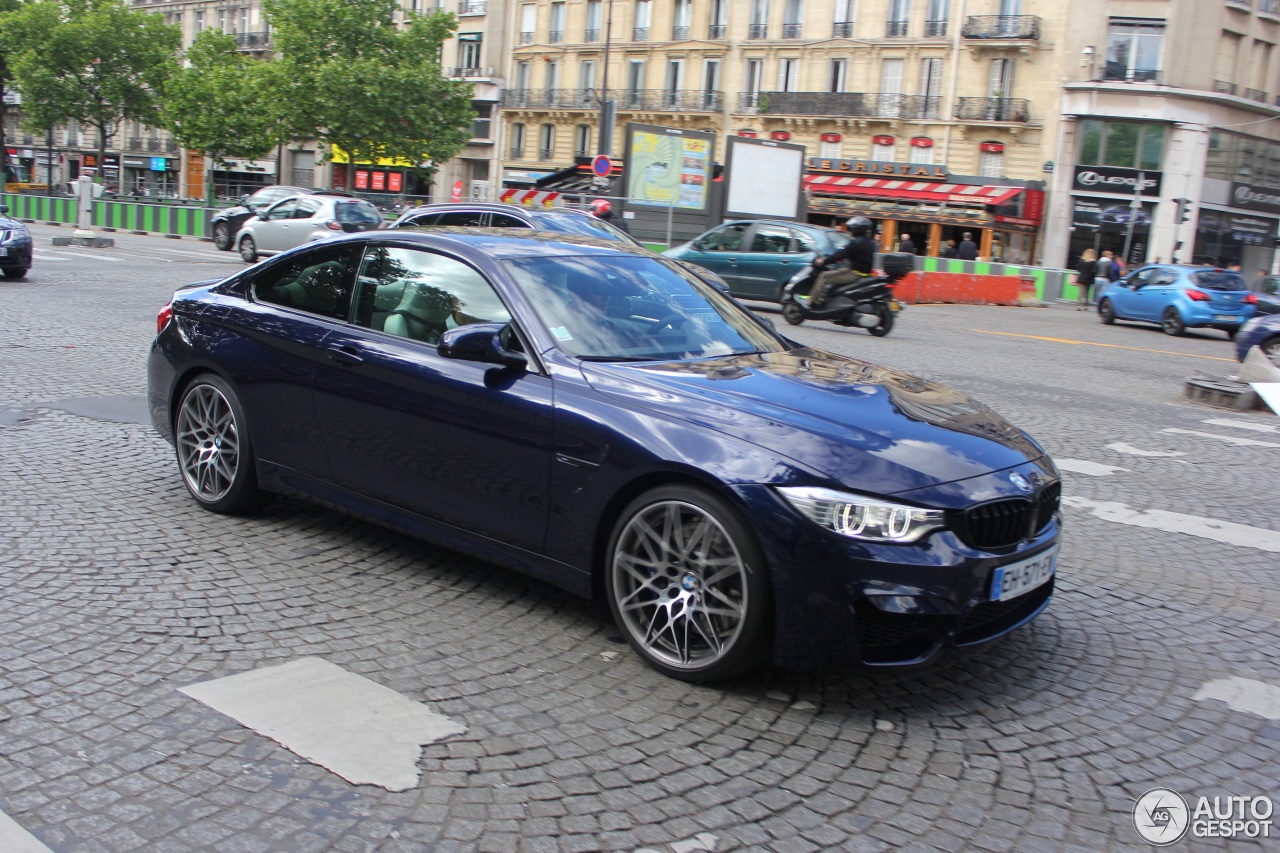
(304, 219)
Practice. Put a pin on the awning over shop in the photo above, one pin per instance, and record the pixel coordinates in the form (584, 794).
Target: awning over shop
(925, 191)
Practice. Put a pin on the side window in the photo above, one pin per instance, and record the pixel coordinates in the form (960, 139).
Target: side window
(417, 294)
(505, 220)
(1141, 278)
(318, 282)
(727, 239)
(804, 243)
(772, 239)
(419, 221)
(306, 208)
(461, 218)
(1164, 277)
(283, 210)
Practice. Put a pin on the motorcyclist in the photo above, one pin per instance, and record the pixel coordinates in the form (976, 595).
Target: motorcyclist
(860, 252)
(603, 209)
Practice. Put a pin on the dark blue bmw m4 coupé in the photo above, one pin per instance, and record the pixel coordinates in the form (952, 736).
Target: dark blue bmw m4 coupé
(607, 420)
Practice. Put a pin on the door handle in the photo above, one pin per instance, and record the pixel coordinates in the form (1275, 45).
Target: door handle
(345, 355)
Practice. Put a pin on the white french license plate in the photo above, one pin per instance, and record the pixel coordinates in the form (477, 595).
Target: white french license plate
(1226, 318)
(1016, 578)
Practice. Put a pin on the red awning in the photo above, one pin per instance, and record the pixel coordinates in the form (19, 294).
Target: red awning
(927, 191)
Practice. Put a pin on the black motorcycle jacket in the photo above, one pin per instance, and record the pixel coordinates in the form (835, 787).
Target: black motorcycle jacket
(860, 252)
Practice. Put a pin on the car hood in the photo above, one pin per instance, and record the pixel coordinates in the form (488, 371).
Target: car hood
(866, 426)
(8, 223)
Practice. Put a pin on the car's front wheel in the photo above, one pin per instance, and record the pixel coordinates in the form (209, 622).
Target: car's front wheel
(687, 584)
(15, 272)
(222, 236)
(248, 249)
(1172, 322)
(1271, 349)
(213, 448)
(791, 313)
(1107, 312)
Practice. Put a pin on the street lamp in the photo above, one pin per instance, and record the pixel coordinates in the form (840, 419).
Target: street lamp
(608, 108)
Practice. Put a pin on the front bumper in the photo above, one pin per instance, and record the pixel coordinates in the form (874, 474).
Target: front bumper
(16, 256)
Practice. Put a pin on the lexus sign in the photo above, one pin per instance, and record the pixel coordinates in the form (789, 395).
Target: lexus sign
(1108, 179)
(1263, 199)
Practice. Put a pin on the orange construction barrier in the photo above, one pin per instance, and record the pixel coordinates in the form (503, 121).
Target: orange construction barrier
(963, 288)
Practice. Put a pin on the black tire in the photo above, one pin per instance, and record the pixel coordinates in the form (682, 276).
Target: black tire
(211, 442)
(1172, 323)
(248, 249)
(1231, 332)
(792, 314)
(685, 553)
(1107, 312)
(1271, 349)
(222, 236)
(15, 272)
(885, 325)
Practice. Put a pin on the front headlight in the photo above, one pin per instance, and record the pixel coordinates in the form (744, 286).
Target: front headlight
(864, 518)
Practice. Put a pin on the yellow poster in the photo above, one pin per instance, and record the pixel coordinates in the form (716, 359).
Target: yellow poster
(668, 170)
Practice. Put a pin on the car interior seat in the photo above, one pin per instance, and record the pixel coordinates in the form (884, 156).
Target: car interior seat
(422, 315)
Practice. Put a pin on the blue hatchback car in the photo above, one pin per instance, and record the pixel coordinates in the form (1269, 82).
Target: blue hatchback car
(602, 418)
(1178, 297)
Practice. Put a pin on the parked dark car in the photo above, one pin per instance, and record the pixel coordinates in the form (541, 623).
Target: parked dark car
(15, 246)
(496, 215)
(757, 258)
(602, 418)
(1262, 331)
(1178, 298)
(224, 224)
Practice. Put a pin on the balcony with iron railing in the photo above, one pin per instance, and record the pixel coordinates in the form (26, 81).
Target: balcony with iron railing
(1256, 95)
(1117, 73)
(555, 36)
(154, 145)
(591, 35)
(993, 109)
(1019, 27)
(473, 7)
(716, 31)
(655, 100)
(935, 29)
(526, 38)
(639, 33)
(679, 33)
(134, 143)
(792, 31)
(842, 29)
(860, 104)
(517, 153)
(545, 154)
(895, 29)
(253, 41)
(471, 72)
(1222, 87)
(549, 99)
(170, 147)
(758, 31)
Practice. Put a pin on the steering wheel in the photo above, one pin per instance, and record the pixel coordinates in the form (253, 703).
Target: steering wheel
(674, 321)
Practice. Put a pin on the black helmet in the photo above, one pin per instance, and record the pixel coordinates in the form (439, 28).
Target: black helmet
(858, 226)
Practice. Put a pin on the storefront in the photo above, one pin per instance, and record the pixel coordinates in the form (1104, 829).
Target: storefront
(930, 204)
(1239, 229)
(522, 178)
(1109, 212)
(234, 178)
(150, 176)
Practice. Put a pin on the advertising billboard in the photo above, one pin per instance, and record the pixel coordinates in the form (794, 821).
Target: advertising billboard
(668, 168)
(764, 178)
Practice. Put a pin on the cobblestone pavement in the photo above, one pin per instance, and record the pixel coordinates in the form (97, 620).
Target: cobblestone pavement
(118, 591)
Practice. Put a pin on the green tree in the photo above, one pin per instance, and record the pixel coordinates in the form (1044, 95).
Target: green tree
(96, 62)
(223, 103)
(357, 82)
(6, 7)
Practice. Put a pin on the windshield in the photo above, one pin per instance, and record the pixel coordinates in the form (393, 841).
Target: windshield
(623, 308)
(357, 213)
(1219, 280)
(588, 226)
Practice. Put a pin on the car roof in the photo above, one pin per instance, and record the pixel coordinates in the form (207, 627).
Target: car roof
(506, 243)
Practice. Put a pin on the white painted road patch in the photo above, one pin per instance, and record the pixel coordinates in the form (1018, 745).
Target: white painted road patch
(1130, 450)
(15, 839)
(1229, 439)
(1089, 469)
(1176, 522)
(366, 733)
(1243, 694)
(1255, 426)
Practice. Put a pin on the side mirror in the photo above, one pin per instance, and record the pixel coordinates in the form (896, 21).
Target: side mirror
(4, 208)
(479, 342)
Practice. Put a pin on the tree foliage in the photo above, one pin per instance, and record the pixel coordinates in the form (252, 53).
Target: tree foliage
(97, 62)
(352, 79)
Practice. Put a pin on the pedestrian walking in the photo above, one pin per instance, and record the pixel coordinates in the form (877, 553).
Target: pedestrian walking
(907, 244)
(948, 250)
(967, 250)
(1086, 273)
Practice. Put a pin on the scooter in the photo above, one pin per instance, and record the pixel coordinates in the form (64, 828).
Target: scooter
(867, 303)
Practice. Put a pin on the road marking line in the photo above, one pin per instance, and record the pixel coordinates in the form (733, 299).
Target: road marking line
(1243, 694)
(1095, 344)
(1130, 450)
(15, 839)
(1249, 425)
(1176, 522)
(1229, 439)
(366, 733)
(1089, 469)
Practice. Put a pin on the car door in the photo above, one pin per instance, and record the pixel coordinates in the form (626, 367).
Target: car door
(719, 251)
(273, 342)
(773, 258)
(269, 233)
(461, 442)
(1162, 288)
(298, 228)
(1130, 300)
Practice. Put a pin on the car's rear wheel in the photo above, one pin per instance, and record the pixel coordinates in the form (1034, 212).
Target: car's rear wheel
(212, 445)
(886, 322)
(15, 272)
(1271, 349)
(222, 236)
(792, 314)
(1107, 311)
(248, 250)
(1172, 322)
(687, 584)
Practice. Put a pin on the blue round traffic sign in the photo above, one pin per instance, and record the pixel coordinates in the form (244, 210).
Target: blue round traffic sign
(601, 166)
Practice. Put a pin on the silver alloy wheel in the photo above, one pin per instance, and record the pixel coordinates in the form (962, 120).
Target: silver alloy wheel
(208, 441)
(680, 584)
(1271, 349)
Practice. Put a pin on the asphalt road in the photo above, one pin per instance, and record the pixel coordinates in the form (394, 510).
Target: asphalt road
(1154, 667)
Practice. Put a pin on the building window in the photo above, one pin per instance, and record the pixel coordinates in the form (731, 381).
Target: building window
(899, 14)
(469, 51)
(759, 27)
(199, 22)
(547, 142)
(556, 34)
(719, 20)
(635, 84)
(891, 88)
(991, 163)
(843, 26)
(935, 23)
(930, 88)
(1125, 144)
(592, 31)
(683, 18)
(881, 150)
(582, 141)
(793, 19)
(644, 16)
(788, 74)
(528, 22)
(839, 75)
(920, 154)
(517, 141)
(1133, 50)
(829, 150)
(484, 118)
(675, 84)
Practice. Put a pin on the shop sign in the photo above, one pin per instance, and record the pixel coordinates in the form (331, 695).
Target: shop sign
(395, 182)
(1264, 199)
(884, 169)
(1253, 230)
(1112, 180)
(159, 164)
(133, 163)
(921, 142)
(749, 134)
(1109, 214)
(780, 135)
(831, 137)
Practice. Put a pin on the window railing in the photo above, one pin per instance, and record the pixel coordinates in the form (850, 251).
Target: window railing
(1002, 27)
(480, 128)
(135, 143)
(1121, 74)
(526, 38)
(517, 153)
(792, 31)
(545, 154)
(473, 7)
(862, 104)
(153, 145)
(935, 29)
(555, 36)
(171, 147)
(471, 72)
(1269, 7)
(842, 29)
(679, 33)
(1256, 95)
(716, 31)
(895, 29)
(591, 35)
(639, 33)
(758, 31)
(1222, 87)
(993, 109)
(253, 41)
(660, 100)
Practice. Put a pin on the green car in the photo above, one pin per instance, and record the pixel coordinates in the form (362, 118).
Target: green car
(757, 258)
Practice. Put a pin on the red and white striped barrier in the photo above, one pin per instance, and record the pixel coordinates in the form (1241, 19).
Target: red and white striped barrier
(530, 198)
